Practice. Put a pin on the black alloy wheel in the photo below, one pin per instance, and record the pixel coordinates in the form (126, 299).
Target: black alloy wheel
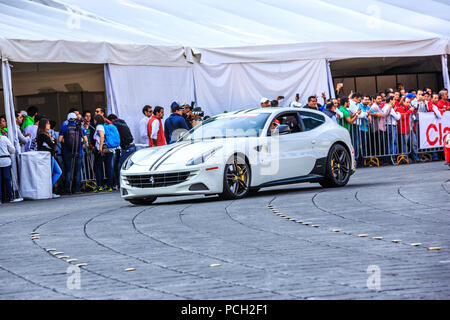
(338, 169)
(236, 180)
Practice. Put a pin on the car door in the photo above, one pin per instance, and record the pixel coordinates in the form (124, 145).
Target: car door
(291, 150)
(315, 131)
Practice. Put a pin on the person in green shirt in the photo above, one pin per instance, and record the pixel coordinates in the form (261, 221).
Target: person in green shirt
(32, 111)
(3, 126)
(347, 120)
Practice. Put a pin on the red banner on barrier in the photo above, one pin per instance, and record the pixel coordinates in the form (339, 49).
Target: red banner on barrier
(432, 129)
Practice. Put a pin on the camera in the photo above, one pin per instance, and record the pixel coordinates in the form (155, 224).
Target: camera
(78, 122)
(198, 112)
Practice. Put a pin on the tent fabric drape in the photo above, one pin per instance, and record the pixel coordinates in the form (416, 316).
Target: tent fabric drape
(110, 96)
(133, 87)
(82, 52)
(229, 87)
(331, 92)
(335, 50)
(163, 32)
(445, 75)
(11, 122)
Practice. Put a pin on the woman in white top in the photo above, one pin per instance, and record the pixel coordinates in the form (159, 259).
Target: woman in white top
(6, 150)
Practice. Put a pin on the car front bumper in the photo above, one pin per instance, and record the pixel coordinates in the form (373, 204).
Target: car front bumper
(203, 179)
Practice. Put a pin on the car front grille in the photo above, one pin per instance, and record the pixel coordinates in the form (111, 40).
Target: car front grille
(157, 180)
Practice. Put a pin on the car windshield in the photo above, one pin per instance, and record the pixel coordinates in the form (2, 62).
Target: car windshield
(229, 126)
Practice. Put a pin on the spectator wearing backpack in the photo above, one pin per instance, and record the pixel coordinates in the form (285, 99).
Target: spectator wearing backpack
(72, 136)
(107, 139)
(127, 146)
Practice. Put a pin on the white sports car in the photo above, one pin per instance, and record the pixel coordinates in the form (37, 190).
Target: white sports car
(235, 153)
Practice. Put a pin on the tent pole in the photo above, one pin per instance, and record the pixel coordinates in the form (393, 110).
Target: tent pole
(330, 81)
(11, 125)
(445, 71)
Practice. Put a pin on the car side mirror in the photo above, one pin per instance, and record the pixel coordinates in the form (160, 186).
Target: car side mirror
(280, 129)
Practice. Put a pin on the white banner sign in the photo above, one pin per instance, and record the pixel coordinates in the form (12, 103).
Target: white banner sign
(432, 130)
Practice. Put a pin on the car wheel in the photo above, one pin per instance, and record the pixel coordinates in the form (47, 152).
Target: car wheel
(338, 167)
(142, 201)
(236, 178)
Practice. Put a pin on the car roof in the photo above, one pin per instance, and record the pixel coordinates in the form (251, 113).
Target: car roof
(269, 110)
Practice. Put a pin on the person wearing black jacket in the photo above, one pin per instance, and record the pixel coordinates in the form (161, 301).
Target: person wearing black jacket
(127, 146)
(45, 142)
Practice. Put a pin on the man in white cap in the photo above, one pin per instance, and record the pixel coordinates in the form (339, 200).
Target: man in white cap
(265, 103)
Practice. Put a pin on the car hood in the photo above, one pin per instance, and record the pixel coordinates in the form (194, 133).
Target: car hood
(176, 153)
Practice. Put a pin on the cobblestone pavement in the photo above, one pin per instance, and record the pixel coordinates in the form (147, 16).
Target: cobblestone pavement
(261, 247)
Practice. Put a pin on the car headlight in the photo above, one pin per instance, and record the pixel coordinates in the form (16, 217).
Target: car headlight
(202, 158)
(127, 164)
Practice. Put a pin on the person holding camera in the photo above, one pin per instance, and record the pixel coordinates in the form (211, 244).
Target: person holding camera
(175, 123)
(187, 115)
(197, 116)
(72, 137)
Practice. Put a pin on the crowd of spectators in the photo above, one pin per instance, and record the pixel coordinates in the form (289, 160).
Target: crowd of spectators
(100, 143)
(384, 123)
(87, 143)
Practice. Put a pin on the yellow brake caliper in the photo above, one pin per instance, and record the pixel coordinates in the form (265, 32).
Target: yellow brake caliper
(242, 178)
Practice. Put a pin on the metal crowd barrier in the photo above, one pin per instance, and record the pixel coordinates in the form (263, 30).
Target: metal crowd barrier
(374, 142)
(88, 181)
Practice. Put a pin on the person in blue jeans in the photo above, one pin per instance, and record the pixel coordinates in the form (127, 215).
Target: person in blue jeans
(103, 159)
(127, 146)
(365, 118)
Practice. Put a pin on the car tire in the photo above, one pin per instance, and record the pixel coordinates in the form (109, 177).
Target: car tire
(254, 190)
(236, 178)
(142, 201)
(338, 167)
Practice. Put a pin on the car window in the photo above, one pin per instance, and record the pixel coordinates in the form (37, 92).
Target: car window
(311, 120)
(233, 125)
(290, 119)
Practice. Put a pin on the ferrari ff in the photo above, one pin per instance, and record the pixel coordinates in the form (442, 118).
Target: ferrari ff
(233, 154)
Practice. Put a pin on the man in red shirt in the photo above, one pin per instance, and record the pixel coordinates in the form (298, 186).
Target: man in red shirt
(405, 109)
(397, 99)
(432, 106)
(155, 128)
(443, 103)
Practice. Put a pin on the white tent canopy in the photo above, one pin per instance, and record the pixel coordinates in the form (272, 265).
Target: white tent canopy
(223, 54)
(157, 32)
